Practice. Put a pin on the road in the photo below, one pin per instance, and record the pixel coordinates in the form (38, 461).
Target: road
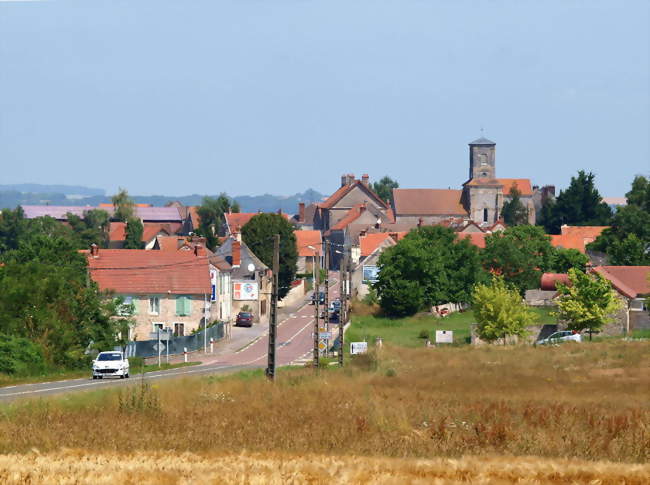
(294, 341)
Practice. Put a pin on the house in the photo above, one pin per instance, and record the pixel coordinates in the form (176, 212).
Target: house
(250, 279)
(633, 287)
(576, 237)
(167, 289)
(234, 221)
(151, 231)
(481, 198)
(364, 271)
(221, 285)
(310, 247)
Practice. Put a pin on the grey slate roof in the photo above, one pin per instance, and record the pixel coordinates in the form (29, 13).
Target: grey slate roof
(482, 141)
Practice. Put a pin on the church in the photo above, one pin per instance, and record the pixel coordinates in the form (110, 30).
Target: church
(480, 200)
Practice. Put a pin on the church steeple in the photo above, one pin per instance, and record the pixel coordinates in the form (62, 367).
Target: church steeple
(482, 159)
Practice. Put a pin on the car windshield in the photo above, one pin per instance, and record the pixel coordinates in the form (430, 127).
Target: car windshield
(244, 315)
(109, 357)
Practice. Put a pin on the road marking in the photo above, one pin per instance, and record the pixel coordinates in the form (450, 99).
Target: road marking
(286, 342)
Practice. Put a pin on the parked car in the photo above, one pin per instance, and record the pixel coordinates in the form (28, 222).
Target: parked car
(244, 319)
(110, 364)
(336, 304)
(559, 337)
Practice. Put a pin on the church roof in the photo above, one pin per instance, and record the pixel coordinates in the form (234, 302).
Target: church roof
(482, 141)
(424, 202)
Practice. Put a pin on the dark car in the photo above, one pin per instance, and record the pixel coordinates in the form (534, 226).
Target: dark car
(244, 319)
(321, 298)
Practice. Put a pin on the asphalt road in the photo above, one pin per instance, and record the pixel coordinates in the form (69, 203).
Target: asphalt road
(294, 341)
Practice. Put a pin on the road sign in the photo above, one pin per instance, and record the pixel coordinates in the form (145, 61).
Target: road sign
(322, 346)
(159, 347)
(444, 337)
(325, 335)
(358, 348)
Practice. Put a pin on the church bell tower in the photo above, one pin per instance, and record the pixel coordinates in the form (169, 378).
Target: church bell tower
(482, 159)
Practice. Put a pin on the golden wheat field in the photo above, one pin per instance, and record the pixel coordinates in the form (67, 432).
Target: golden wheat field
(498, 413)
(72, 467)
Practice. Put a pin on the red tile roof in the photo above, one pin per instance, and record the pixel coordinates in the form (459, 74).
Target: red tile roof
(309, 238)
(117, 230)
(523, 185)
(351, 216)
(576, 237)
(476, 238)
(630, 281)
(236, 221)
(194, 215)
(370, 242)
(343, 190)
(170, 243)
(549, 281)
(139, 271)
(423, 202)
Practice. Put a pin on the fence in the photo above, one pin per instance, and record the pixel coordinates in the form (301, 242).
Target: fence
(149, 348)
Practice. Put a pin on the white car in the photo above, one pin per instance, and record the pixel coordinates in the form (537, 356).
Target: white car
(559, 337)
(110, 364)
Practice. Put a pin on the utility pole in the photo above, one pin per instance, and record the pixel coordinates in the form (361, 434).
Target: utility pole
(273, 324)
(316, 315)
(327, 293)
(342, 308)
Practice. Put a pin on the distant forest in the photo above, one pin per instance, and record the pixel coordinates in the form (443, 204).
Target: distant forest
(12, 196)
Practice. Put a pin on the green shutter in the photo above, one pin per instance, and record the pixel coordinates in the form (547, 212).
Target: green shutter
(188, 305)
(179, 305)
(134, 301)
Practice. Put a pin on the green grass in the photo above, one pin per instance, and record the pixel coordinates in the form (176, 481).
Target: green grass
(640, 333)
(406, 331)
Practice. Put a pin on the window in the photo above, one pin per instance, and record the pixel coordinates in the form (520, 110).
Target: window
(158, 325)
(154, 305)
(638, 305)
(179, 329)
(485, 215)
(128, 306)
(183, 306)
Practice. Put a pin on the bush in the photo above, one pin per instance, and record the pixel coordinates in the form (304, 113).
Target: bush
(424, 334)
(20, 356)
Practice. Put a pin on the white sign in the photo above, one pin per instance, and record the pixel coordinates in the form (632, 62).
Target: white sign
(358, 348)
(244, 290)
(325, 335)
(444, 337)
(159, 347)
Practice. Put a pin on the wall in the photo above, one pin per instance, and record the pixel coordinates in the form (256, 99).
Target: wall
(167, 315)
(427, 220)
(484, 198)
(295, 296)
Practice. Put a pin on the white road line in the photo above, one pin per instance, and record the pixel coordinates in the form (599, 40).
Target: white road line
(286, 342)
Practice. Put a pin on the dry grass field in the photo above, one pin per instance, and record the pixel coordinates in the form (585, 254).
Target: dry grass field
(497, 412)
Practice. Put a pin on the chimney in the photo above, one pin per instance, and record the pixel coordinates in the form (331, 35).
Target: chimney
(350, 178)
(344, 180)
(393, 236)
(197, 249)
(301, 212)
(365, 179)
(420, 222)
(236, 254)
(94, 250)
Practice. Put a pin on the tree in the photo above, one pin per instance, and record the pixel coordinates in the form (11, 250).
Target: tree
(565, 259)
(627, 241)
(258, 235)
(579, 205)
(500, 311)
(91, 229)
(513, 212)
(124, 206)
(211, 213)
(587, 303)
(521, 254)
(430, 266)
(384, 188)
(134, 231)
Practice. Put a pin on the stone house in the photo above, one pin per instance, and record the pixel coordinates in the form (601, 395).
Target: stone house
(364, 266)
(250, 279)
(166, 289)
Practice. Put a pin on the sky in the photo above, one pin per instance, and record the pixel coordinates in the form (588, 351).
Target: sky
(277, 96)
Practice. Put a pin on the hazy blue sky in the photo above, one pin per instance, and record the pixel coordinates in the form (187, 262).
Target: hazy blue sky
(254, 96)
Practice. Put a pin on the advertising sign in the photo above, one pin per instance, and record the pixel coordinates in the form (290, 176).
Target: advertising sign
(358, 348)
(244, 290)
(444, 337)
(213, 285)
(370, 274)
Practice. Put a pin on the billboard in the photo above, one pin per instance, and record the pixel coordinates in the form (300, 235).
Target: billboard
(370, 274)
(244, 290)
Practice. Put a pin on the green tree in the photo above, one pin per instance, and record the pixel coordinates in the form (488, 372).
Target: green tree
(258, 235)
(12, 226)
(520, 253)
(579, 205)
(500, 311)
(133, 234)
(627, 241)
(91, 229)
(384, 188)
(211, 212)
(513, 212)
(430, 266)
(587, 303)
(124, 206)
(565, 259)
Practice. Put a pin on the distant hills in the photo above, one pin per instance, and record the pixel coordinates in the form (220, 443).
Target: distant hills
(12, 196)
